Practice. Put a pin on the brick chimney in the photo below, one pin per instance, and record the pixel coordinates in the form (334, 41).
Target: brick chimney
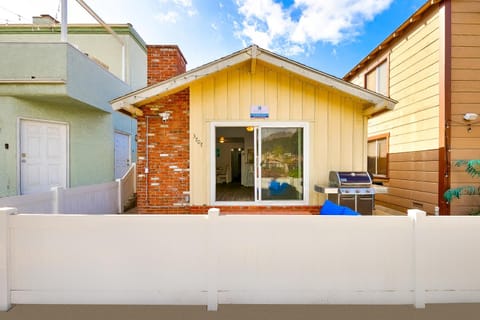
(164, 62)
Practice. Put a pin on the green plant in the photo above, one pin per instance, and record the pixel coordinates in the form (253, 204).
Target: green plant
(472, 167)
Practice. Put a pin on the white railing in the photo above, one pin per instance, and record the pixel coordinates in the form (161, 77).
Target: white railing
(238, 259)
(105, 198)
(127, 186)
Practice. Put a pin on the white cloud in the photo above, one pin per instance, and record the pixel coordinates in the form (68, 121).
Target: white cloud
(173, 10)
(293, 30)
(169, 17)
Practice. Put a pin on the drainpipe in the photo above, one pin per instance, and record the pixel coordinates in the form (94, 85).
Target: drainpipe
(63, 27)
(146, 160)
(109, 29)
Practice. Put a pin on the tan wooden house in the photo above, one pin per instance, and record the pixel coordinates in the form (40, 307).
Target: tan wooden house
(431, 66)
(250, 132)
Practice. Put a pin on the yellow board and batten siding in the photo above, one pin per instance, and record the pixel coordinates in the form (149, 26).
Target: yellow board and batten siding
(465, 97)
(337, 126)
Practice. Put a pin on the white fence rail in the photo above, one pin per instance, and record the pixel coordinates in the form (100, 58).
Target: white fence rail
(127, 186)
(238, 259)
(105, 198)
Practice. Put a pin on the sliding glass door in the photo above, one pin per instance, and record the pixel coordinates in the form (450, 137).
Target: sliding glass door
(279, 164)
(260, 164)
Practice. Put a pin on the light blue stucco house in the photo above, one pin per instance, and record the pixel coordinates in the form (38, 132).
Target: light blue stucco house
(57, 127)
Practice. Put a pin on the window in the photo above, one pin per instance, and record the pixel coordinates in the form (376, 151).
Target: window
(378, 155)
(377, 79)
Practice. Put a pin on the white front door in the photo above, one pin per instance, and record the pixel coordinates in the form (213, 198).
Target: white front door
(43, 156)
(122, 154)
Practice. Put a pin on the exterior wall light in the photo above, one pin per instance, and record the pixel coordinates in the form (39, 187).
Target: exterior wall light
(470, 116)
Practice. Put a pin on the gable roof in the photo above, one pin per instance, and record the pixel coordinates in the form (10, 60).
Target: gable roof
(132, 101)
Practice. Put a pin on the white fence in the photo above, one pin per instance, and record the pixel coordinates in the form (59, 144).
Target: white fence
(105, 198)
(238, 259)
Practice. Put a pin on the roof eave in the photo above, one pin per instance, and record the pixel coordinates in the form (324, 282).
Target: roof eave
(143, 96)
(381, 106)
(180, 82)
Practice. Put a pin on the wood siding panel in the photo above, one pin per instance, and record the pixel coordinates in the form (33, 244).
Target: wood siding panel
(283, 108)
(465, 96)
(296, 102)
(208, 103)
(464, 144)
(461, 63)
(347, 135)
(258, 86)
(246, 99)
(271, 92)
(413, 180)
(465, 17)
(308, 102)
(320, 157)
(199, 139)
(333, 136)
(414, 81)
(220, 96)
(413, 185)
(233, 95)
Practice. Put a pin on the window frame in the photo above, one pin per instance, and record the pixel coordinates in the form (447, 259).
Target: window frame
(280, 124)
(374, 68)
(376, 138)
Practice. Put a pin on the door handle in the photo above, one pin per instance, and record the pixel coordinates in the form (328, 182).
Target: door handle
(24, 155)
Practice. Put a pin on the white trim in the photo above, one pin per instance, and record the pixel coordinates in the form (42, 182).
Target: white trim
(306, 162)
(67, 148)
(134, 99)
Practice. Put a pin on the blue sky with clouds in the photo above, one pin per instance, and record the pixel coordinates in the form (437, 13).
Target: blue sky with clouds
(329, 35)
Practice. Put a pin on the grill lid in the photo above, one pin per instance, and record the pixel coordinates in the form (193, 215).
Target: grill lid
(349, 179)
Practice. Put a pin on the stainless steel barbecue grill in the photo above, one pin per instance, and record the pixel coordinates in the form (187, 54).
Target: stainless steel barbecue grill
(352, 189)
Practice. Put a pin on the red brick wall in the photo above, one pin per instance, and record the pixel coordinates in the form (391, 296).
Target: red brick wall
(163, 181)
(163, 148)
(302, 210)
(164, 62)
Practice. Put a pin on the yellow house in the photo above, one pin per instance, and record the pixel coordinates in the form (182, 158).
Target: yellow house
(250, 132)
(431, 66)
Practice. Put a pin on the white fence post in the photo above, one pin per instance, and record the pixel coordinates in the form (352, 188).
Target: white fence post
(212, 304)
(58, 199)
(417, 217)
(5, 301)
(120, 199)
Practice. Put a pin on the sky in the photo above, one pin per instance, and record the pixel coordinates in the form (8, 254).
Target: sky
(329, 35)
